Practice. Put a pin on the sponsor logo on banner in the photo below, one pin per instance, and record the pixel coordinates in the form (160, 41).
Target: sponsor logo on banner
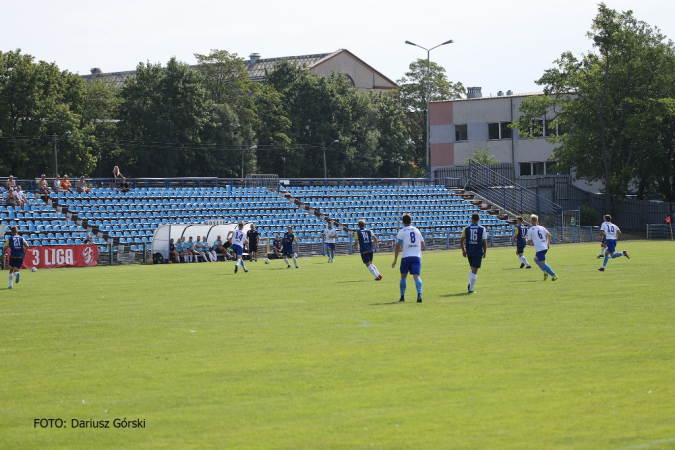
(61, 256)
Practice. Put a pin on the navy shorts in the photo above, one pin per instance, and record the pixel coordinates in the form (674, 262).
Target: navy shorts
(287, 252)
(604, 239)
(252, 247)
(412, 265)
(330, 245)
(520, 249)
(611, 245)
(541, 256)
(237, 249)
(367, 257)
(16, 261)
(475, 261)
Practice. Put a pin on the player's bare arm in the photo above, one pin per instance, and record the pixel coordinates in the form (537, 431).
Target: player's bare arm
(484, 248)
(397, 249)
(461, 245)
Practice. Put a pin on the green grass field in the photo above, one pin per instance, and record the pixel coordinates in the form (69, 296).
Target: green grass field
(323, 357)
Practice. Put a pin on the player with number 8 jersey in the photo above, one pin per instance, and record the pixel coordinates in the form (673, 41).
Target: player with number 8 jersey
(409, 242)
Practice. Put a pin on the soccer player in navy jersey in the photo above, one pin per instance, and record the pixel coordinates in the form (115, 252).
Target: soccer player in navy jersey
(521, 241)
(475, 238)
(364, 238)
(409, 242)
(17, 246)
(611, 233)
(287, 247)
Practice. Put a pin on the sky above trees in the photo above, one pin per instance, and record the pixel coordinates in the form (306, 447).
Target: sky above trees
(498, 45)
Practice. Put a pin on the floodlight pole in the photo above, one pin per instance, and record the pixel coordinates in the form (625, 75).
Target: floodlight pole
(324, 156)
(56, 151)
(428, 81)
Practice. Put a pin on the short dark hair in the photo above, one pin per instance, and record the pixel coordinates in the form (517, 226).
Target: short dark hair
(608, 218)
(519, 218)
(475, 217)
(406, 219)
(14, 229)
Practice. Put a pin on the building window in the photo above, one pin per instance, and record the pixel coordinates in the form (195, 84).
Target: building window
(537, 168)
(525, 169)
(537, 129)
(461, 133)
(551, 130)
(506, 130)
(499, 130)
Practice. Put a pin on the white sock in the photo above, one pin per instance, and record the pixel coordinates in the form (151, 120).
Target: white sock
(11, 279)
(523, 260)
(286, 261)
(470, 273)
(295, 261)
(472, 280)
(377, 272)
(371, 268)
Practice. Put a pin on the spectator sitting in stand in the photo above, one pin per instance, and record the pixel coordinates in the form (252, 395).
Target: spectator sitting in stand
(9, 198)
(81, 186)
(116, 174)
(124, 187)
(19, 197)
(88, 239)
(65, 184)
(11, 183)
(276, 246)
(43, 187)
(57, 184)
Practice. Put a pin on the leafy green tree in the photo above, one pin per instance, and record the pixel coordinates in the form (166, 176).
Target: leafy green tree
(413, 97)
(482, 157)
(611, 107)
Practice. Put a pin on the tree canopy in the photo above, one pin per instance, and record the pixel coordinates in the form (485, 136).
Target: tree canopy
(613, 108)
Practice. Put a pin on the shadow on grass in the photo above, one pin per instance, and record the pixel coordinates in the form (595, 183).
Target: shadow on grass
(459, 294)
(352, 281)
(386, 303)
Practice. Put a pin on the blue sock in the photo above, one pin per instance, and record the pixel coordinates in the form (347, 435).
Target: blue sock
(403, 283)
(418, 285)
(606, 259)
(541, 267)
(617, 255)
(548, 270)
(242, 263)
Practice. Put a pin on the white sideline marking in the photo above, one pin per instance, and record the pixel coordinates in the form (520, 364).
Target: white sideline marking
(647, 444)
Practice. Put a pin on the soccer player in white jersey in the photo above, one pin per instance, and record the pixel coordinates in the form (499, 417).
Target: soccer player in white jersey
(409, 242)
(611, 232)
(238, 242)
(330, 234)
(541, 238)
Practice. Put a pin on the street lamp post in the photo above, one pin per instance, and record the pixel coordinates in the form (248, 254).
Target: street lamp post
(56, 151)
(324, 156)
(283, 158)
(427, 95)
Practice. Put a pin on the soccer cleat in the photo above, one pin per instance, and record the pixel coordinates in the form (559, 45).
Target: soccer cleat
(245, 270)
(16, 279)
(236, 266)
(528, 267)
(555, 277)
(468, 288)
(625, 253)
(600, 256)
(419, 298)
(289, 266)
(402, 299)
(545, 276)
(297, 267)
(11, 287)
(522, 265)
(602, 269)
(379, 277)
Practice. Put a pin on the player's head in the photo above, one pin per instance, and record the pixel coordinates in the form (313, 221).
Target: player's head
(362, 224)
(608, 218)
(519, 219)
(14, 230)
(475, 217)
(406, 219)
(241, 225)
(171, 240)
(330, 224)
(252, 226)
(290, 229)
(534, 219)
(277, 237)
